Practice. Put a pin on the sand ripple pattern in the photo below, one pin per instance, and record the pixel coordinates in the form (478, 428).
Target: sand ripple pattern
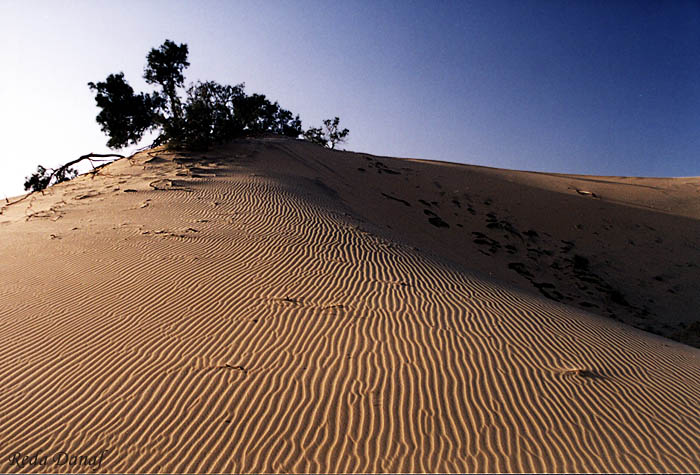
(280, 334)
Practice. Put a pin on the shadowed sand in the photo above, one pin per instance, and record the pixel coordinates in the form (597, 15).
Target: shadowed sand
(274, 306)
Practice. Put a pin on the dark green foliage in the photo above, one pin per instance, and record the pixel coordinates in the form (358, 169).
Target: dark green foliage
(164, 68)
(316, 135)
(39, 180)
(328, 136)
(125, 116)
(287, 125)
(335, 135)
(258, 115)
(65, 174)
(42, 178)
(215, 113)
(210, 112)
(165, 65)
(209, 115)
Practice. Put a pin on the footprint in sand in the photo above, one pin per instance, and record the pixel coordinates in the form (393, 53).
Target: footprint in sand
(582, 373)
(435, 220)
(287, 299)
(89, 194)
(238, 367)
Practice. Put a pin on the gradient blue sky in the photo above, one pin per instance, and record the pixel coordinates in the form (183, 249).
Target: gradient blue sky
(610, 88)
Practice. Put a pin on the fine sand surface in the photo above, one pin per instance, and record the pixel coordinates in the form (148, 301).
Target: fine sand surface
(272, 306)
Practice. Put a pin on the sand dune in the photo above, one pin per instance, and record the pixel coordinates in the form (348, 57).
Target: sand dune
(272, 306)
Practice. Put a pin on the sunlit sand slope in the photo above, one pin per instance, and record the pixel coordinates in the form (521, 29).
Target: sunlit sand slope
(239, 313)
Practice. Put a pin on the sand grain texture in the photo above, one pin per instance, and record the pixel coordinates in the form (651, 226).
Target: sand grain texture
(264, 308)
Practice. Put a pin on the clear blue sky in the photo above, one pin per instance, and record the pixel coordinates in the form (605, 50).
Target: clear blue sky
(609, 87)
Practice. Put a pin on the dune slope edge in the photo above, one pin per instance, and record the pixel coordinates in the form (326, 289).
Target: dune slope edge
(236, 312)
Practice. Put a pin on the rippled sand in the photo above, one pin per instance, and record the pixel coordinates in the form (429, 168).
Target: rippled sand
(271, 306)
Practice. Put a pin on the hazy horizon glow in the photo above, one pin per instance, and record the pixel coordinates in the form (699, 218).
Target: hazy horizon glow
(604, 88)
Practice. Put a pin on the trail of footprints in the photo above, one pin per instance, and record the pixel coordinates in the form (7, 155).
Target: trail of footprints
(557, 260)
(307, 343)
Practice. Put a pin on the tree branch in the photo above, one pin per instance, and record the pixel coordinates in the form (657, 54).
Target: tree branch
(91, 157)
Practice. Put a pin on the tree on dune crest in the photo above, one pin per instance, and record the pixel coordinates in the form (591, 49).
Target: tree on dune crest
(206, 114)
(334, 134)
(328, 136)
(164, 67)
(191, 118)
(125, 116)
